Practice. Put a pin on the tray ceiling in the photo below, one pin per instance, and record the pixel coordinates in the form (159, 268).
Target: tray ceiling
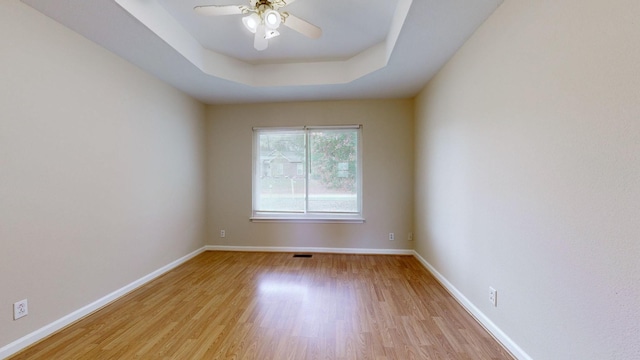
(369, 49)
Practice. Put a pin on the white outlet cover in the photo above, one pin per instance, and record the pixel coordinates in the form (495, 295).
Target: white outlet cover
(493, 296)
(20, 309)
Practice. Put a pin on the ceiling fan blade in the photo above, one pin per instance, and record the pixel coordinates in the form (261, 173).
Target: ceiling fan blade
(276, 4)
(281, 3)
(215, 10)
(302, 26)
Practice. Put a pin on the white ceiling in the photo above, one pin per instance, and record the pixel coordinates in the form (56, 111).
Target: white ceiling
(369, 49)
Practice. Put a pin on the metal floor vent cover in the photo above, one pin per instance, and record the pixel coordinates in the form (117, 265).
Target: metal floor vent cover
(302, 255)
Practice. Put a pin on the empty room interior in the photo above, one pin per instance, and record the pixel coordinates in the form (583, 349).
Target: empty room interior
(461, 179)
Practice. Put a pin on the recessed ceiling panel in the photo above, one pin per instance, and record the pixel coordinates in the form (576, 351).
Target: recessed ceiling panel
(349, 27)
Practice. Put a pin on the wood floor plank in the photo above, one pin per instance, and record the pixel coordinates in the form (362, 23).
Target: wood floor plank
(231, 305)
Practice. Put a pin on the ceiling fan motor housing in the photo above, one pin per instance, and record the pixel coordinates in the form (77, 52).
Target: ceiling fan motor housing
(264, 5)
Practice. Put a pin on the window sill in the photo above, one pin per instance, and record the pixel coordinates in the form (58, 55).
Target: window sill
(308, 219)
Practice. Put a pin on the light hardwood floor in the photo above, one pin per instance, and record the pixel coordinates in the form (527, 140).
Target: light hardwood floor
(231, 305)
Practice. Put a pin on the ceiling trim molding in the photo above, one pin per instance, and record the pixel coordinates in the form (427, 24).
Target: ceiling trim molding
(153, 16)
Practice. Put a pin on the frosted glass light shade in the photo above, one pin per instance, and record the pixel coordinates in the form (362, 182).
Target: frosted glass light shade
(272, 19)
(251, 22)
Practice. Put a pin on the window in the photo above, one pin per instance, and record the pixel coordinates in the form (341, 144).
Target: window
(307, 173)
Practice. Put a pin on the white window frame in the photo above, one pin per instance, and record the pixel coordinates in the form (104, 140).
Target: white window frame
(307, 216)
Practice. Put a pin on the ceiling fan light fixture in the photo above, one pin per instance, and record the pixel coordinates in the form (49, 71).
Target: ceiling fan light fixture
(271, 33)
(272, 19)
(251, 22)
(262, 19)
(260, 41)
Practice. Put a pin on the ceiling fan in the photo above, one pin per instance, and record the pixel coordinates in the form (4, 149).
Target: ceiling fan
(263, 19)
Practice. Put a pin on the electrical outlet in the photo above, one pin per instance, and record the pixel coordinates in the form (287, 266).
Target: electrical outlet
(410, 237)
(223, 233)
(493, 296)
(20, 309)
(392, 237)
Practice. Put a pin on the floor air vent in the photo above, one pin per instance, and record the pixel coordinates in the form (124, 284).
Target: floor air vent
(302, 255)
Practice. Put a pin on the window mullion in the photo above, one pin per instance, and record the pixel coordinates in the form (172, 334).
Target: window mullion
(307, 157)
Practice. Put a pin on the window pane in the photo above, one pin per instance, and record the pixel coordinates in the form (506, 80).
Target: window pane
(280, 177)
(333, 185)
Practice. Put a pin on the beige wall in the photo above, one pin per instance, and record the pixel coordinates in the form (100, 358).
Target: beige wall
(387, 139)
(528, 175)
(101, 171)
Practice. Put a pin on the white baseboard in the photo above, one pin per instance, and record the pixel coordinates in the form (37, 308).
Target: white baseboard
(49, 329)
(492, 328)
(310, 250)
